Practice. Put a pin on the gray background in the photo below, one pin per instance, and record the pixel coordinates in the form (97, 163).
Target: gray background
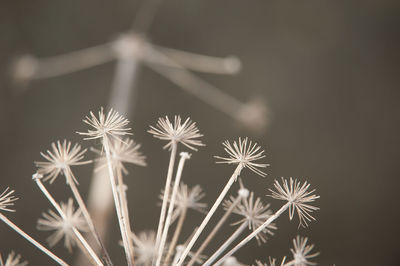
(328, 70)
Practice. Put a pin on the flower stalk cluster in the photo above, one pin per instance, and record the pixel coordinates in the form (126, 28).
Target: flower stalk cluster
(164, 246)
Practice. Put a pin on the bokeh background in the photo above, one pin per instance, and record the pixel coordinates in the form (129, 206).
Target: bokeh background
(327, 70)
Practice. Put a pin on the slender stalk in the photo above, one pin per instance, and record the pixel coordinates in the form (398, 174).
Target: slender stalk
(194, 85)
(92, 255)
(69, 175)
(234, 176)
(254, 233)
(85, 252)
(184, 157)
(121, 218)
(84, 247)
(166, 192)
(227, 243)
(73, 61)
(198, 62)
(178, 253)
(215, 230)
(175, 237)
(123, 98)
(32, 241)
(125, 211)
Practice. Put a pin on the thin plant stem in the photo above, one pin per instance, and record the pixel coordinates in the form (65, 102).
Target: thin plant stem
(198, 62)
(172, 159)
(184, 157)
(125, 211)
(121, 218)
(215, 230)
(227, 243)
(90, 253)
(232, 179)
(85, 252)
(194, 85)
(178, 253)
(69, 175)
(175, 237)
(74, 61)
(123, 98)
(32, 241)
(254, 233)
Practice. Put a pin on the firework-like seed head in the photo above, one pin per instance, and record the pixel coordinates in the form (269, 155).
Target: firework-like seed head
(63, 228)
(245, 153)
(7, 199)
(298, 196)
(302, 252)
(122, 151)
(111, 125)
(188, 198)
(255, 213)
(59, 160)
(186, 133)
(145, 247)
(13, 260)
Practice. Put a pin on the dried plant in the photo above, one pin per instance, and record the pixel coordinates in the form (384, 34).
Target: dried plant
(164, 247)
(301, 254)
(131, 50)
(243, 154)
(63, 227)
(13, 260)
(60, 160)
(298, 196)
(7, 200)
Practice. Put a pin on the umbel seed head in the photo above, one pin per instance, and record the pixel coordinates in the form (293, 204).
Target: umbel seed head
(244, 153)
(186, 133)
(122, 152)
(111, 125)
(302, 252)
(59, 160)
(298, 196)
(7, 199)
(63, 227)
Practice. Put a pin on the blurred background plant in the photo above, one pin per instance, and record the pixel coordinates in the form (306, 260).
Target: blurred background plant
(325, 73)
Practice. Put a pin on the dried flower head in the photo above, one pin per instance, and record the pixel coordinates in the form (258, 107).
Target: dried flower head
(145, 247)
(255, 213)
(7, 199)
(60, 159)
(122, 151)
(104, 126)
(51, 221)
(13, 260)
(188, 198)
(298, 196)
(186, 133)
(301, 252)
(244, 153)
